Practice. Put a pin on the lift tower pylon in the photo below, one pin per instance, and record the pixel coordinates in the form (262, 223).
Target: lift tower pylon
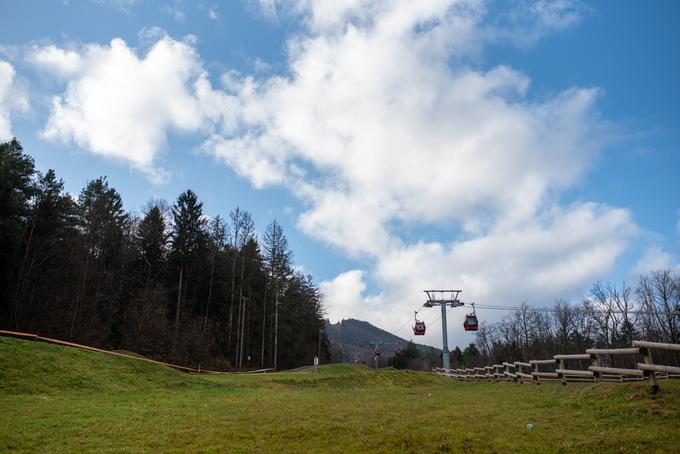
(443, 298)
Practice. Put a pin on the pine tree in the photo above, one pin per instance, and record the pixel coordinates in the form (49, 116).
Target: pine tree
(16, 189)
(105, 226)
(87, 270)
(187, 237)
(152, 241)
(52, 221)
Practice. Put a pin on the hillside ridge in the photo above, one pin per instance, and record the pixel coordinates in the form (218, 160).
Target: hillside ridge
(352, 340)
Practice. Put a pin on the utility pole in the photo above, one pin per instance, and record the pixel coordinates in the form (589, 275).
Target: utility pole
(437, 298)
(276, 327)
(242, 322)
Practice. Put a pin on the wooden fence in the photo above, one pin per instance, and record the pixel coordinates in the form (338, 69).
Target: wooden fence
(560, 367)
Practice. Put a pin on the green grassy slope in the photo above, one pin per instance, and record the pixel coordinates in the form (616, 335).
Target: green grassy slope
(57, 399)
(36, 367)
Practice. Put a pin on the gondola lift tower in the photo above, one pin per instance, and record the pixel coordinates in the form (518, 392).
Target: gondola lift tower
(443, 299)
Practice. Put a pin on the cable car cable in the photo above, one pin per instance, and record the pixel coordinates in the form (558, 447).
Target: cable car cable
(548, 309)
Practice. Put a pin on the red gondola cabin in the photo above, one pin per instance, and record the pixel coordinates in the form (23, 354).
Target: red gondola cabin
(470, 323)
(419, 328)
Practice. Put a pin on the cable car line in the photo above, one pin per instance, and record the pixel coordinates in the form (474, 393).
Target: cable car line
(548, 309)
(520, 308)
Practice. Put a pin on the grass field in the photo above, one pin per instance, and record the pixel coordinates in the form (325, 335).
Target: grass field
(59, 399)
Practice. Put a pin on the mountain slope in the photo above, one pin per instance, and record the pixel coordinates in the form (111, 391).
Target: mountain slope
(354, 341)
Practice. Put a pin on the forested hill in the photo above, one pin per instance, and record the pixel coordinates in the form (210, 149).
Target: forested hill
(173, 283)
(353, 340)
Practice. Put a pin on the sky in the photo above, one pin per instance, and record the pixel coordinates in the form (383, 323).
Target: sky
(519, 151)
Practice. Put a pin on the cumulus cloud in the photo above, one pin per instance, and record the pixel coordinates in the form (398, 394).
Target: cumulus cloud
(59, 62)
(383, 122)
(345, 294)
(398, 133)
(12, 98)
(556, 255)
(122, 105)
(654, 259)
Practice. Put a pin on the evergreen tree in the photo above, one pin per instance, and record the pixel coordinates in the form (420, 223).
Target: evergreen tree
(87, 270)
(16, 189)
(51, 224)
(457, 358)
(471, 355)
(152, 241)
(105, 231)
(187, 238)
(408, 353)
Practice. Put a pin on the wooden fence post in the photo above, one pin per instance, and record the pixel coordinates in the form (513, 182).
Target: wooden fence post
(523, 376)
(511, 375)
(647, 353)
(536, 380)
(596, 362)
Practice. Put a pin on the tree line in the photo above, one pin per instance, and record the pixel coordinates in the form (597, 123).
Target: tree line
(610, 316)
(171, 283)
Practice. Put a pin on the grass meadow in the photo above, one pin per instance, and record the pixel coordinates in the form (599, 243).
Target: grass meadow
(60, 399)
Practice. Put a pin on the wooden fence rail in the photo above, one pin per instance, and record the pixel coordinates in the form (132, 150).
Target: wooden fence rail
(530, 372)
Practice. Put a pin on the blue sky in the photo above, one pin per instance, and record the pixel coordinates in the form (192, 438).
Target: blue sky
(518, 150)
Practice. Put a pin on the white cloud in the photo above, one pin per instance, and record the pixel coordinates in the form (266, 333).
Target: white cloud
(124, 6)
(12, 98)
(121, 105)
(382, 123)
(213, 14)
(653, 259)
(529, 20)
(175, 10)
(149, 36)
(59, 62)
(399, 134)
(556, 252)
(554, 256)
(344, 295)
(267, 8)
(261, 66)
(557, 15)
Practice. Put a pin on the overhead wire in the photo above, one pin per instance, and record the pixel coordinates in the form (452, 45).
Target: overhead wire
(528, 309)
(431, 322)
(405, 323)
(552, 309)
